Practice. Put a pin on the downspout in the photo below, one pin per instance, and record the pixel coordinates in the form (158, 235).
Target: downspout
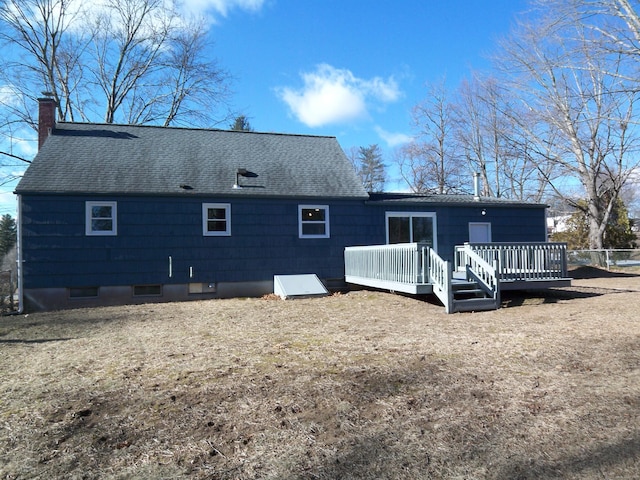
(546, 224)
(19, 256)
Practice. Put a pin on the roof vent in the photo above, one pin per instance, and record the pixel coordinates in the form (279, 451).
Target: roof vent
(241, 172)
(476, 186)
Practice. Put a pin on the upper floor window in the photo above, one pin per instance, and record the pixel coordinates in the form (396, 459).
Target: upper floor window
(313, 221)
(216, 219)
(101, 218)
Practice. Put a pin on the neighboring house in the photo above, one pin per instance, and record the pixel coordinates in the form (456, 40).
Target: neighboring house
(113, 214)
(558, 223)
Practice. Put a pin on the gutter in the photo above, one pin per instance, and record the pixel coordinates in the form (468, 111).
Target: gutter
(19, 257)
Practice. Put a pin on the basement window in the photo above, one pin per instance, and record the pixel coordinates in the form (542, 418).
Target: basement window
(101, 218)
(313, 221)
(83, 292)
(216, 219)
(147, 290)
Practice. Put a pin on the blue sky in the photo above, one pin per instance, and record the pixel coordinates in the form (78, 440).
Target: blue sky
(352, 69)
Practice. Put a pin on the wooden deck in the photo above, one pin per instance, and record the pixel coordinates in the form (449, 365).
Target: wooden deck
(473, 282)
(400, 267)
(521, 266)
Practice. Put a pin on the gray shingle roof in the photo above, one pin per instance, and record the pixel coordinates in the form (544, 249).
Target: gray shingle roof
(445, 199)
(122, 159)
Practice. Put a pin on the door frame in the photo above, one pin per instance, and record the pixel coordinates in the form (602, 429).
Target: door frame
(434, 223)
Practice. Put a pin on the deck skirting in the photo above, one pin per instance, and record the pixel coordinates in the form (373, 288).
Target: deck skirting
(411, 288)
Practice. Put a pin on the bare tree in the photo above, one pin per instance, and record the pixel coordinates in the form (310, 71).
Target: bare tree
(494, 145)
(615, 23)
(412, 168)
(581, 106)
(129, 38)
(46, 56)
(129, 61)
(430, 163)
(479, 135)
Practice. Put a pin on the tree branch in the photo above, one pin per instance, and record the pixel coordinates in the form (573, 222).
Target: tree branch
(15, 156)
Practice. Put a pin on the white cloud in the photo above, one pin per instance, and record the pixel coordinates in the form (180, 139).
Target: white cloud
(393, 139)
(332, 95)
(26, 146)
(199, 9)
(9, 95)
(8, 203)
(221, 7)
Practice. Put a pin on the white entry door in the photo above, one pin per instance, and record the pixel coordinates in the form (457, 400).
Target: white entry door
(479, 232)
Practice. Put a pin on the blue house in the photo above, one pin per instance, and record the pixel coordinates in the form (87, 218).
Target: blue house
(116, 214)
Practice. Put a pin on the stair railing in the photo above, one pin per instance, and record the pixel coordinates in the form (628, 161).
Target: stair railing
(440, 274)
(485, 274)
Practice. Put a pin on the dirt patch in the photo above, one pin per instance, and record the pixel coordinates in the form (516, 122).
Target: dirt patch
(365, 385)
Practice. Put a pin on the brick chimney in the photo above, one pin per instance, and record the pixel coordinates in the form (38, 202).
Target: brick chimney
(46, 118)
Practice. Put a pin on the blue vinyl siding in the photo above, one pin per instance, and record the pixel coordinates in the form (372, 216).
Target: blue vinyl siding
(264, 238)
(508, 223)
(264, 241)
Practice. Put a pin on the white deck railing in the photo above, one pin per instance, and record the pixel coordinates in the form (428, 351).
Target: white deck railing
(416, 268)
(483, 271)
(519, 261)
(402, 263)
(440, 275)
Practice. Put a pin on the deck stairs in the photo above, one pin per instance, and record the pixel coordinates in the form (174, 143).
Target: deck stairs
(472, 282)
(472, 288)
(468, 296)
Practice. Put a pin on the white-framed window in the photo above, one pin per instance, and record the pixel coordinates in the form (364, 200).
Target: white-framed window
(313, 221)
(216, 219)
(409, 227)
(101, 218)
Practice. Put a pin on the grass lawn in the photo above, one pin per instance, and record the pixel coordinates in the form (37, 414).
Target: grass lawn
(365, 385)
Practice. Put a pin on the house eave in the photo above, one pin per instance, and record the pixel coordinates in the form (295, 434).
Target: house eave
(186, 194)
(460, 203)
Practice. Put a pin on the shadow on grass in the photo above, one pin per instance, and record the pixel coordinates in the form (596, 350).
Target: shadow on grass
(587, 272)
(422, 416)
(476, 434)
(516, 298)
(519, 298)
(598, 459)
(11, 341)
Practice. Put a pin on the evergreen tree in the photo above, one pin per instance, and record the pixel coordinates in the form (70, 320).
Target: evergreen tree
(241, 124)
(8, 236)
(618, 232)
(370, 167)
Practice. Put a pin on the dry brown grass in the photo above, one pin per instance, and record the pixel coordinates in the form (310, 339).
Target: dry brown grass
(365, 385)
